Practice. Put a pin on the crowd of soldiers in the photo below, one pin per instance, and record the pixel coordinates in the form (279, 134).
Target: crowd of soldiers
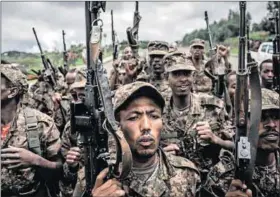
(180, 134)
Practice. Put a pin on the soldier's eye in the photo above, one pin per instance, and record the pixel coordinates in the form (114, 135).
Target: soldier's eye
(133, 118)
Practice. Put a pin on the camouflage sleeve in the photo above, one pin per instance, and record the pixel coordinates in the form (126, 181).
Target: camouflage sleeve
(227, 131)
(112, 79)
(67, 140)
(50, 136)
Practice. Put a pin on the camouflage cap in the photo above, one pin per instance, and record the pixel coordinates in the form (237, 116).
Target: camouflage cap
(198, 42)
(180, 63)
(80, 80)
(127, 92)
(158, 47)
(15, 76)
(270, 99)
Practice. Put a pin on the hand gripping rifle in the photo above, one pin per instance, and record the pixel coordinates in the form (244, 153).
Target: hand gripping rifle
(115, 42)
(49, 71)
(132, 33)
(88, 117)
(276, 52)
(65, 68)
(246, 138)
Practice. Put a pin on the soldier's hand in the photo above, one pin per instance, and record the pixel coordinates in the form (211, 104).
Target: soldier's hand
(56, 98)
(205, 133)
(223, 50)
(172, 148)
(73, 156)
(237, 189)
(112, 187)
(18, 157)
(116, 63)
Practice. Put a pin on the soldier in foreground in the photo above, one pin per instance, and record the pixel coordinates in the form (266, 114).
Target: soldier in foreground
(29, 141)
(138, 108)
(194, 127)
(266, 172)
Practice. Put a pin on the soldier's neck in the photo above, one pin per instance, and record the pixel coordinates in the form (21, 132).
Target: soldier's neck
(8, 111)
(197, 63)
(265, 158)
(157, 76)
(144, 162)
(181, 102)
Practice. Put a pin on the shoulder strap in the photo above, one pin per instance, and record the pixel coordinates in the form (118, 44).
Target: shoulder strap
(32, 131)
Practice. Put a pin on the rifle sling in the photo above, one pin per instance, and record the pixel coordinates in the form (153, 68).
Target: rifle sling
(124, 155)
(256, 110)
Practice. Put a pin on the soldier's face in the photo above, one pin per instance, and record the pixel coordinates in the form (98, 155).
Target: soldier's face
(269, 130)
(180, 81)
(4, 89)
(7, 91)
(197, 52)
(70, 78)
(267, 73)
(232, 86)
(157, 64)
(78, 94)
(127, 53)
(141, 124)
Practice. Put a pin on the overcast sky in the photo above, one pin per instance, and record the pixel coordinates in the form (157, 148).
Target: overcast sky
(167, 21)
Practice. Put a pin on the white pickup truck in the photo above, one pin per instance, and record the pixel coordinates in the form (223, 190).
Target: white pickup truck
(265, 51)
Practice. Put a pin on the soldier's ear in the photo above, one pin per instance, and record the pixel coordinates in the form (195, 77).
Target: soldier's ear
(13, 92)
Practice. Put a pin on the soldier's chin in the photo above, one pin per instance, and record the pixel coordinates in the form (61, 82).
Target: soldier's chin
(269, 147)
(147, 153)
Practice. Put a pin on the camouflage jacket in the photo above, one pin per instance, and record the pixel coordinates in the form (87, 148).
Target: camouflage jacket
(174, 176)
(178, 129)
(201, 83)
(25, 180)
(70, 179)
(42, 98)
(62, 114)
(266, 179)
(163, 87)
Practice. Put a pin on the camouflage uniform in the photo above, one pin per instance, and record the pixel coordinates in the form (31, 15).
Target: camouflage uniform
(27, 181)
(42, 92)
(159, 48)
(266, 179)
(72, 180)
(171, 175)
(178, 125)
(202, 83)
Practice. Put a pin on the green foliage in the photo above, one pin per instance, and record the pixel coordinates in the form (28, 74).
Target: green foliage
(221, 30)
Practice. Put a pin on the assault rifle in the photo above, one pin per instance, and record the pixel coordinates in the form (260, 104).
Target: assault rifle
(276, 52)
(94, 118)
(65, 68)
(49, 70)
(114, 38)
(246, 138)
(132, 33)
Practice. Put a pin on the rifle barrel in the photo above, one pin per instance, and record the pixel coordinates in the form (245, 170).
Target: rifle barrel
(38, 43)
